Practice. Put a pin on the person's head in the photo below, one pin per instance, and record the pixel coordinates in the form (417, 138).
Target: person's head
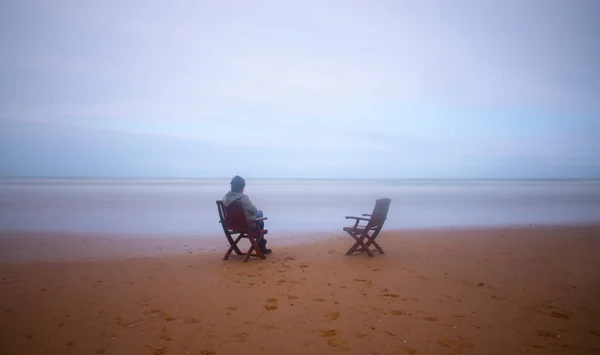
(237, 184)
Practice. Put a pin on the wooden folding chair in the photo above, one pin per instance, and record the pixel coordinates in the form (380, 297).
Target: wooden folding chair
(234, 222)
(365, 235)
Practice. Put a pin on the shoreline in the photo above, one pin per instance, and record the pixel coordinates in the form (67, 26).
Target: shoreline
(26, 246)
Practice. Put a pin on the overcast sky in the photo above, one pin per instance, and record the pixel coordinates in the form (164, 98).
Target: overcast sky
(308, 88)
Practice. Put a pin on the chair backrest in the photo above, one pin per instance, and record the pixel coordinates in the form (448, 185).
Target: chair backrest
(379, 214)
(222, 213)
(235, 217)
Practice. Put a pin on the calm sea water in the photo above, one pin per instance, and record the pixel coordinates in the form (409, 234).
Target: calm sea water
(180, 206)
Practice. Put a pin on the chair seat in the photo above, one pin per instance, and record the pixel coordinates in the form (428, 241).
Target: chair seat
(358, 229)
(352, 229)
(238, 232)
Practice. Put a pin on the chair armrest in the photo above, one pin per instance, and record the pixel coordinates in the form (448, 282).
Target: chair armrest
(358, 218)
(260, 219)
(366, 214)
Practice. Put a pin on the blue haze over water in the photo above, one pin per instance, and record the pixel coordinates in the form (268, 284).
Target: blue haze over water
(187, 206)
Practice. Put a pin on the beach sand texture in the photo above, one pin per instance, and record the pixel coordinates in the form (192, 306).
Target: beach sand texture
(529, 290)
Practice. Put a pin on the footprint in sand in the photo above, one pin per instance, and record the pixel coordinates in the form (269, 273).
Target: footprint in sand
(333, 315)
(549, 310)
(559, 315)
(333, 340)
(241, 337)
(329, 333)
(160, 314)
(526, 348)
(458, 345)
(390, 333)
(430, 319)
(165, 337)
(546, 334)
(271, 304)
(400, 313)
(159, 351)
(392, 295)
(150, 316)
(249, 274)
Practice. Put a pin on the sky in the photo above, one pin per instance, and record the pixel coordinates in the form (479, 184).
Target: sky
(308, 88)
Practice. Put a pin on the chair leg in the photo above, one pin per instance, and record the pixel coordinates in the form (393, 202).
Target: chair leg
(361, 246)
(254, 246)
(355, 247)
(372, 241)
(248, 254)
(233, 247)
(377, 247)
(367, 250)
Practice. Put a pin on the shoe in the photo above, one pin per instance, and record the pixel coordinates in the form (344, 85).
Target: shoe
(267, 251)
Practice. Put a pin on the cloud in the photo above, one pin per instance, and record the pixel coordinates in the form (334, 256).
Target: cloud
(395, 78)
(309, 53)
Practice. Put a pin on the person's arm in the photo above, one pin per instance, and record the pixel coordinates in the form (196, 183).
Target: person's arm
(249, 206)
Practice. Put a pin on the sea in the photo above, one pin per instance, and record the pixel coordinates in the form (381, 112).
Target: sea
(176, 207)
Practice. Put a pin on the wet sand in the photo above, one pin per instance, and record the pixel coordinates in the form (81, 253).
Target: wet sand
(479, 291)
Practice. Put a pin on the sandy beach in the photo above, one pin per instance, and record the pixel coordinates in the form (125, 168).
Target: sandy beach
(474, 291)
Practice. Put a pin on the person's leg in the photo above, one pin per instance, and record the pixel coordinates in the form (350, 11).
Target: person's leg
(261, 225)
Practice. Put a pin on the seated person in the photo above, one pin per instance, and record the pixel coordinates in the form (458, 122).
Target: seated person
(252, 213)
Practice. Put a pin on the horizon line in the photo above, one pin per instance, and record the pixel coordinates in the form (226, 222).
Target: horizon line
(294, 178)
